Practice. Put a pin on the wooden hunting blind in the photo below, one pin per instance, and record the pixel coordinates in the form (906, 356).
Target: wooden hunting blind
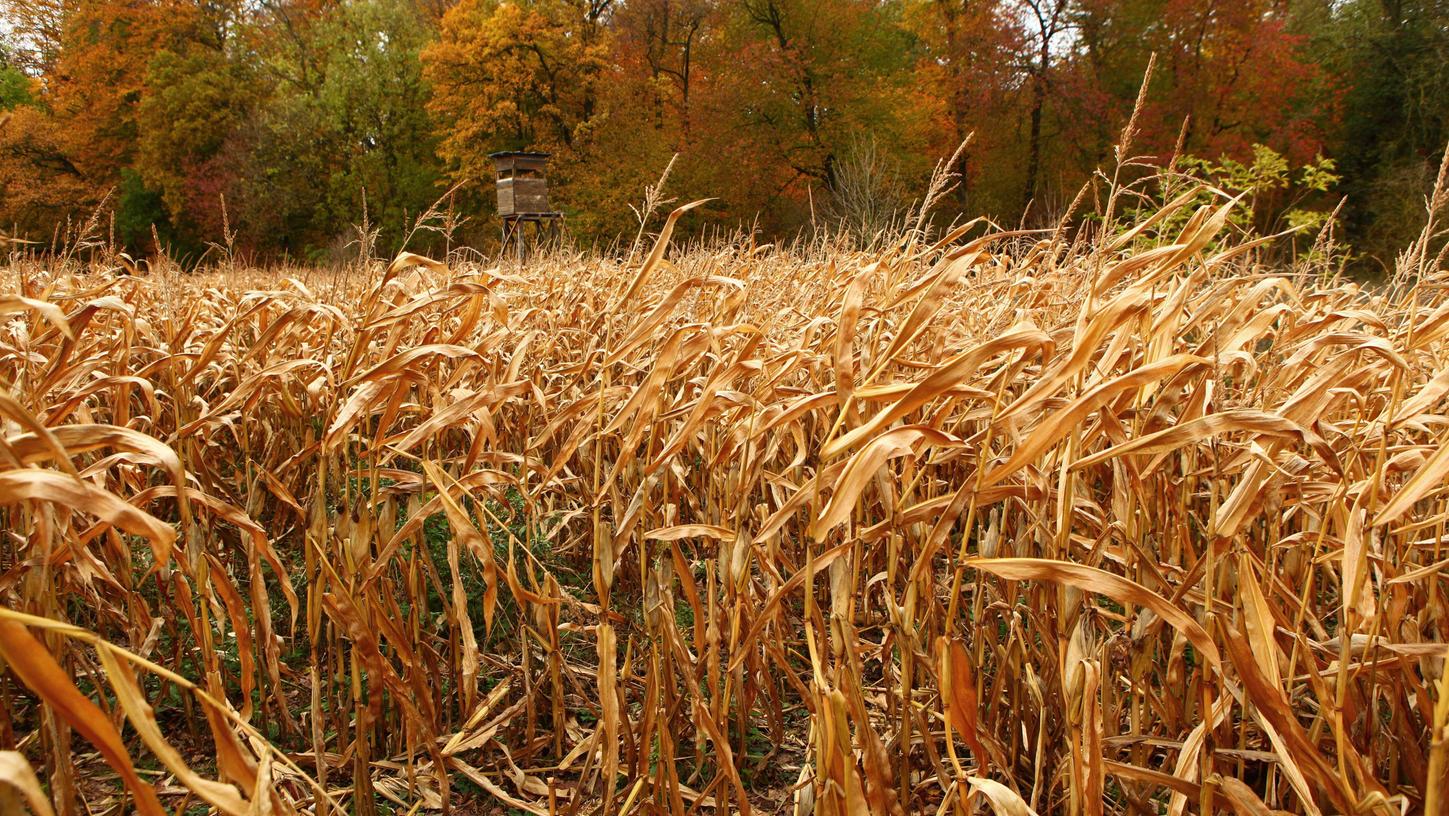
(522, 184)
(522, 187)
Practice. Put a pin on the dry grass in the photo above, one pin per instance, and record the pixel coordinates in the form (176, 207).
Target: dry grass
(1137, 527)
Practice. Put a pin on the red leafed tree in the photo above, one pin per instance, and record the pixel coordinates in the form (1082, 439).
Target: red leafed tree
(1230, 74)
(967, 79)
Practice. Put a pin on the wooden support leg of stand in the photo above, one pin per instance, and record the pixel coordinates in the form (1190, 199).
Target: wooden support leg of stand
(512, 232)
(546, 227)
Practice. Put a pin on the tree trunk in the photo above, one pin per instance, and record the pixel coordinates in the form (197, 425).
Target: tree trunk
(1033, 160)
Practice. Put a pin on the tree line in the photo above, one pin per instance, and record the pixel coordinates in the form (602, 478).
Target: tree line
(311, 128)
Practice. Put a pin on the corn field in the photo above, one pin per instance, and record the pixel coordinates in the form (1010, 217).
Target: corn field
(1004, 524)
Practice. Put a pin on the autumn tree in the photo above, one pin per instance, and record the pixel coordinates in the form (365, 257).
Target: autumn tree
(197, 98)
(40, 187)
(100, 75)
(822, 75)
(660, 42)
(34, 30)
(516, 75)
(1229, 75)
(967, 80)
(69, 150)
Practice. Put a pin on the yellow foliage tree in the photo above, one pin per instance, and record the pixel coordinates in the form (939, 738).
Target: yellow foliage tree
(515, 75)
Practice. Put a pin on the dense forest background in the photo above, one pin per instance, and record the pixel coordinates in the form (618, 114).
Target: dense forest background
(295, 126)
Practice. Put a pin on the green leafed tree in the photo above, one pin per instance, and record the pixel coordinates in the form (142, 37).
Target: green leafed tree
(14, 84)
(196, 103)
(1390, 55)
(346, 136)
(375, 105)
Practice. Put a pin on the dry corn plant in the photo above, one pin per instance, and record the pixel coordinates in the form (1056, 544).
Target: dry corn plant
(1012, 526)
